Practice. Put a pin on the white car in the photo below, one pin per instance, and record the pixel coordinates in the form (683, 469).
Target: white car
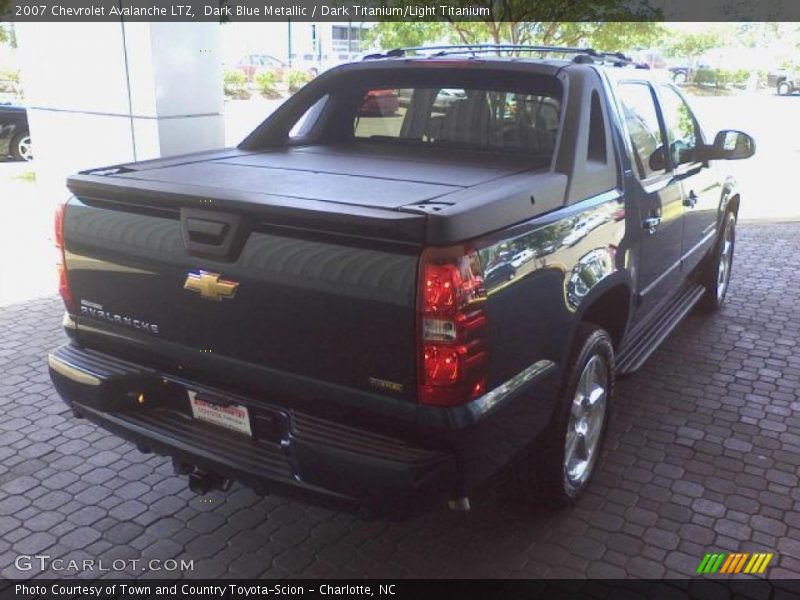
(522, 257)
(577, 234)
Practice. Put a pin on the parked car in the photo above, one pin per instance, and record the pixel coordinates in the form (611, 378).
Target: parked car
(579, 231)
(444, 97)
(681, 74)
(316, 314)
(253, 64)
(380, 103)
(499, 273)
(15, 137)
(447, 97)
(785, 81)
(520, 258)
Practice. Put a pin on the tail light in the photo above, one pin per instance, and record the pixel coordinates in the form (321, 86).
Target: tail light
(452, 327)
(61, 266)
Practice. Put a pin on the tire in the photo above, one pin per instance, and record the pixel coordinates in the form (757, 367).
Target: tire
(784, 89)
(679, 78)
(556, 470)
(716, 274)
(20, 147)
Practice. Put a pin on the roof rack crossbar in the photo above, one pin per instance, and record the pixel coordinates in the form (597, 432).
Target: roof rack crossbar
(456, 48)
(475, 49)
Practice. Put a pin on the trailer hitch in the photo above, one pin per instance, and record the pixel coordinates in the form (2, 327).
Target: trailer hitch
(201, 482)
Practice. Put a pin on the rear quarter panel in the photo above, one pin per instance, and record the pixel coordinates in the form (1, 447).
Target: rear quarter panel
(573, 254)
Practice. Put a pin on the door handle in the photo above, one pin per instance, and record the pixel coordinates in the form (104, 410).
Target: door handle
(690, 200)
(651, 224)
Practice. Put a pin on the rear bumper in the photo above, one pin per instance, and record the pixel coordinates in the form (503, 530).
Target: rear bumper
(289, 451)
(292, 452)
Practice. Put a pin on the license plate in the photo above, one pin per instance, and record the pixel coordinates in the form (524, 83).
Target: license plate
(232, 416)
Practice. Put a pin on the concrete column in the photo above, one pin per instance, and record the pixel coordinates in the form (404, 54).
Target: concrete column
(106, 93)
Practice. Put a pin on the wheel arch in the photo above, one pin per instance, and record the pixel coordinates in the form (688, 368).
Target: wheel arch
(730, 199)
(609, 304)
(609, 307)
(733, 205)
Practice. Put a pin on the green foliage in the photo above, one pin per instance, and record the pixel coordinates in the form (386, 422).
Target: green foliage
(791, 65)
(296, 78)
(721, 78)
(388, 35)
(7, 35)
(516, 22)
(688, 45)
(267, 83)
(9, 82)
(612, 36)
(235, 85)
(26, 176)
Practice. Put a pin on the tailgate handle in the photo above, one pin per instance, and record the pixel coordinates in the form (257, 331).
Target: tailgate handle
(213, 234)
(204, 231)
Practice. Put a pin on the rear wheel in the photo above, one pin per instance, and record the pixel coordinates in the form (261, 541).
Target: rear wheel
(679, 78)
(717, 273)
(784, 89)
(558, 469)
(21, 148)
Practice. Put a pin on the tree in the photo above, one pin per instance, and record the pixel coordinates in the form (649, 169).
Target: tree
(7, 35)
(544, 22)
(614, 36)
(681, 44)
(388, 35)
(609, 36)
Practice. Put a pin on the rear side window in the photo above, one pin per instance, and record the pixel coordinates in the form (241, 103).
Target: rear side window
(310, 118)
(641, 120)
(597, 132)
(465, 117)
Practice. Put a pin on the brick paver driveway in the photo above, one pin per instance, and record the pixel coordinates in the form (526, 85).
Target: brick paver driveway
(702, 455)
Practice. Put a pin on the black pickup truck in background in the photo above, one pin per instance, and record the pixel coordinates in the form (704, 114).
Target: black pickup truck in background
(785, 81)
(15, 137)
(385, 303)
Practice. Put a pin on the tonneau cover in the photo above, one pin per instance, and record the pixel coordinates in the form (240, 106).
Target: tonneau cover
(364, 189)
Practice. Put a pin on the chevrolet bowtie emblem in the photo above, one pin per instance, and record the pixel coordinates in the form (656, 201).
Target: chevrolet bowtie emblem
(210, 286)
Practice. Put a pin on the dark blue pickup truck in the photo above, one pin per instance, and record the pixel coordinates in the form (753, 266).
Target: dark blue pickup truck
(386, 306)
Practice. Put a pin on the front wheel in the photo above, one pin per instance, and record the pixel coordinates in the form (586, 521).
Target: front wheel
(717, 273)
(784, 89)
(558, 469)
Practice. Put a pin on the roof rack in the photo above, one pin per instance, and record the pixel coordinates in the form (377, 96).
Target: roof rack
(582, 55)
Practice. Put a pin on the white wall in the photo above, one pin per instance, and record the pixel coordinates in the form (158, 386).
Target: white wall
(105, 93)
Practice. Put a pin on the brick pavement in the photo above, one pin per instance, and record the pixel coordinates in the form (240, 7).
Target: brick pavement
(703, 454)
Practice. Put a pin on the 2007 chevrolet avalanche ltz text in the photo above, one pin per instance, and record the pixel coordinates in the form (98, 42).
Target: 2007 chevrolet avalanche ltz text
(422, 268)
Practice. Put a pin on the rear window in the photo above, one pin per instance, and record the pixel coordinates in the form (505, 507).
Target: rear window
(520, 120)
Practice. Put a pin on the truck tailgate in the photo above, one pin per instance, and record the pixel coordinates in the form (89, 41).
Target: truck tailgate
(329, 308)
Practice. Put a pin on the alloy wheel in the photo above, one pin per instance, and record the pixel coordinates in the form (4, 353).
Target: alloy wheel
(586, 423)
(725, 261)
(25, 148)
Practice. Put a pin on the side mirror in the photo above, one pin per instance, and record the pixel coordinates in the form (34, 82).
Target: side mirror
(730, 144)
